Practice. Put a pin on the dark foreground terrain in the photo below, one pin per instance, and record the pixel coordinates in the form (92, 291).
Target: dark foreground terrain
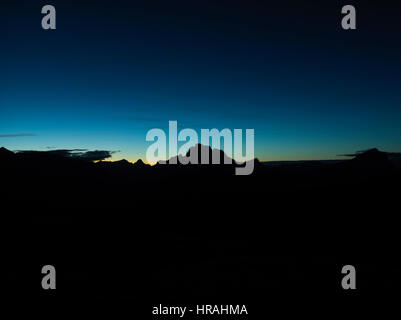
(137, 236)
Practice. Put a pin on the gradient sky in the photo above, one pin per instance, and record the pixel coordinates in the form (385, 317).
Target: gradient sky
(112, 70)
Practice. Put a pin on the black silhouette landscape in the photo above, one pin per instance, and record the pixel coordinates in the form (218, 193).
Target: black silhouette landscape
(90, 82)
(199, 230)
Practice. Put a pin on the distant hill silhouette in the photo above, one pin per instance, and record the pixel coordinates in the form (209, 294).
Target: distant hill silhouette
(115, 164)
(371, 158)
(184, 229)
(57, 169)
(6, 154)
(194, 156)
(140, 164)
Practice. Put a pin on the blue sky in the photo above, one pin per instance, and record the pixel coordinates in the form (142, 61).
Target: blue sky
(108, 74)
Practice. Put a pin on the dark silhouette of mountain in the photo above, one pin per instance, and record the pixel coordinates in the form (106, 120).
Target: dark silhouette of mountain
(123, 162)
(5, 153)
(194, 156)
(116, 164)
(7, 159)
(371, 158)
(183, 229)
(124, 166)
(63, 162)
(140, 164)
(205, 157)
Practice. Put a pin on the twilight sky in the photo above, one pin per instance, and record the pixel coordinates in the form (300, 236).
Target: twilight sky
(112, 70)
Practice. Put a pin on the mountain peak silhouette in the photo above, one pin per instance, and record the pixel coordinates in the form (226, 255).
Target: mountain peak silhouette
(139, 162)
(372, 158)
(198, 150)
(123, 162)
(5, 153)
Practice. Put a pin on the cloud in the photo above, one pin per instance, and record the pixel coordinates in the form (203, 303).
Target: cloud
(17, 135)
(83, 154)
(96, 155)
